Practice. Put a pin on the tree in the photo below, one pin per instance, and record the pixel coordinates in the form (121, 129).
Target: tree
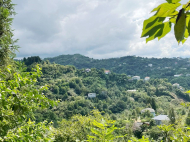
(172, 116)
(188, 119)
(7, 47)
(153, 104)
(18, 101)
(158, 26)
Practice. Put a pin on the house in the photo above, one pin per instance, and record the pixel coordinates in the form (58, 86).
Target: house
(176, 85)
(87, 70)
(91, 95)
(107, 71)
(150, 65)
(187, 74)
(130, 80)
(136, 77)
(146, 78)
(177, 75)
(131, 90)
(152, 111)
(160, 119)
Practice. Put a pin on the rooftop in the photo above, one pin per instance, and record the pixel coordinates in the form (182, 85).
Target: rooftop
(147, 109)
(161, 117)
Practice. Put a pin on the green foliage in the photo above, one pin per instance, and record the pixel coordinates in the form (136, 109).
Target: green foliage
(19, 98)
(172, 116)
(103, 131)
(31, 131)
(6, 33)
(157, 26)
(162, 68)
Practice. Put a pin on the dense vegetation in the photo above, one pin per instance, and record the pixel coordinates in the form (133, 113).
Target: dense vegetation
(131, 65)
(41, 101)
(113, 98)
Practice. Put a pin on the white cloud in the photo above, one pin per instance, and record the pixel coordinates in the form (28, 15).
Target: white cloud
(96, 28)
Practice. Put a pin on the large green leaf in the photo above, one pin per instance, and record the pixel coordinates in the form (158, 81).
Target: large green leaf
(151, 23)
(159, 31)
(180, 26)
(166, 29)
(167, 9)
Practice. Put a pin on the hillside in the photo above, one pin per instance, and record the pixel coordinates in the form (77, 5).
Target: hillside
(114, 92)
(131, 65)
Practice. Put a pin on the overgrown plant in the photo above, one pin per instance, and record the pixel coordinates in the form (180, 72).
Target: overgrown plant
(19, 98)
(103, 131)
(166, 14)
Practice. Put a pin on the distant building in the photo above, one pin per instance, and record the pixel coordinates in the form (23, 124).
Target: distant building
(187, 74)
(183, 68)
(167, 67)
(107, 71)
(177, 75)
(136, 77)
(176, 85)
(150, 65)
(131, 90)
(160, 119)
(152, 111)
(91, 95)
(130, 80)
(146, 78)
(87, 70)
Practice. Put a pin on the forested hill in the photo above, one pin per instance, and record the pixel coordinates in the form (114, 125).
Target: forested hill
(132, 65)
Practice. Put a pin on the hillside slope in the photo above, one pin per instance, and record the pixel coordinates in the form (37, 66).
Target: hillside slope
(131, 65)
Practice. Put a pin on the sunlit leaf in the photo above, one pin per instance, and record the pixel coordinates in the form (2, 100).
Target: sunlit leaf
(180, 26)
(167, 9)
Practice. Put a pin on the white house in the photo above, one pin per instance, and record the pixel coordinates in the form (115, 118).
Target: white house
(136, 77)
(146, 78)
(87, 70)
(150, 65)
(91, 95)
(176, 85)
(107, 71)
(177, 75)
(152, 111)
(131, 90)
(160, 119)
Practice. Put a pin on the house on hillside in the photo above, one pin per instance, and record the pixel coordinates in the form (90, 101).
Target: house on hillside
(150, 65)
(87, 70)
(136, 77)
(152, 111)
(177, 75)
(160, 119)
(91, 95)
(146, 78)
(176, 85)
(131, 90)
(107, 71)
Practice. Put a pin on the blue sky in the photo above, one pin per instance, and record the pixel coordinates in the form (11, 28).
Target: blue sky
(94, 28)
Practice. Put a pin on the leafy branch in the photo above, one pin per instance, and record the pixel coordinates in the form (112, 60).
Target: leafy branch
(158, 26)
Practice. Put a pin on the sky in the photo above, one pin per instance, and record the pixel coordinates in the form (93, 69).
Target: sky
(95, 28)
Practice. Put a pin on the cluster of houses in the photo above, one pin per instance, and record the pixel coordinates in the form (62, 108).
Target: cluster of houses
(138, 78)
(178, 75)
(159, 120)
(105, 71)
